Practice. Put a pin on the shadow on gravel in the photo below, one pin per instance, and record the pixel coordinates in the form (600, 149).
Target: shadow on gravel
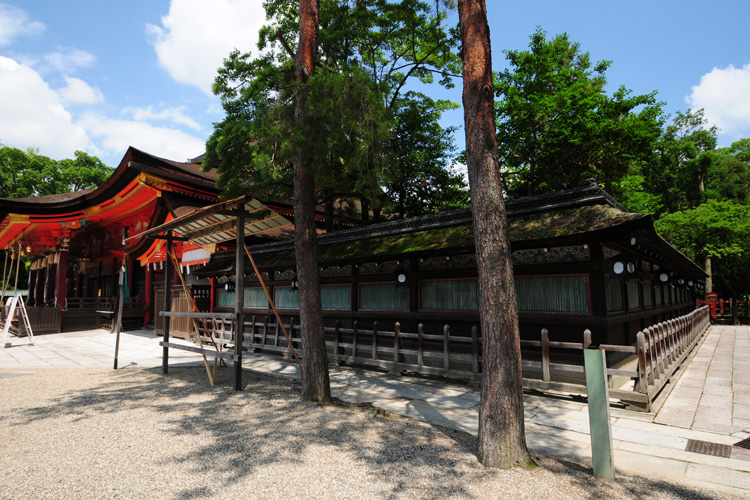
(243, 433)
(266, 424)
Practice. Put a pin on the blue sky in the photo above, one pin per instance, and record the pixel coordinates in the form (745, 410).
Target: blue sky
(102, 76)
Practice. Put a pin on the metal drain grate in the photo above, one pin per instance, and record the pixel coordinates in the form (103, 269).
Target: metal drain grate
(707, 448)
(745, 443)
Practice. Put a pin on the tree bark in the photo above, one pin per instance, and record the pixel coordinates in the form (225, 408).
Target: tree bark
(502, 441)
(315, 381)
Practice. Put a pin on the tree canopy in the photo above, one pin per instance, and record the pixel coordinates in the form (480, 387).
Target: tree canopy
(719, 230)
(24, 174)
(699, 195)
(359, 128)
(558, 127)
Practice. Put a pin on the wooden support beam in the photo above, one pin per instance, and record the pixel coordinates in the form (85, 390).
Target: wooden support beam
(167, 307)
(273, 306)
(239, 295)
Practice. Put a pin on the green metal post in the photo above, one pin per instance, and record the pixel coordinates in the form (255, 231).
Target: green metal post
(598, 396)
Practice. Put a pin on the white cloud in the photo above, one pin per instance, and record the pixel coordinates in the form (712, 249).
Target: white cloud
(724, 94)
(114, 136)
(14, 23)
(196, 36)
(79, 92)
(33, 115)
(66, 60)
(175, 115)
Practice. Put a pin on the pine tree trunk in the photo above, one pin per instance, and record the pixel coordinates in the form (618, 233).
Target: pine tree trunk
(315, 382)
(502, 441)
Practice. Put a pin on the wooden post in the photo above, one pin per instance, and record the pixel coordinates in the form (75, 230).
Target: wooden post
(642, 385)
(374, 340)
(61, 294)
(167, 305)
(119, 314)
(420, 345)
(337, 334)
(661, 330)
(476, 351)
(32, 286)
(41, 279)
(239, 296)
(354, 339)
(651, 352)
(545, 355)
(254, 329)
(446, 348)
(291, 337)
(265, 329)
(586, 338)
(396, 331)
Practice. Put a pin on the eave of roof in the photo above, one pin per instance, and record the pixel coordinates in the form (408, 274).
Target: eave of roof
(187, 173)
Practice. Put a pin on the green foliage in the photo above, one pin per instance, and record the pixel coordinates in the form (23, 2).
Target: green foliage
(556, 125)
(634, 196)
(420, 183)
(368, 51)
(684, 154)
(719, 230)
(24, 174)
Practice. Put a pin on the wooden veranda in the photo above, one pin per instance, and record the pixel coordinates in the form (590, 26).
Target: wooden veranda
(219, 224)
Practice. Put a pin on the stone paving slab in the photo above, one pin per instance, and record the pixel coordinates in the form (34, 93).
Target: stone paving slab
(719, 475)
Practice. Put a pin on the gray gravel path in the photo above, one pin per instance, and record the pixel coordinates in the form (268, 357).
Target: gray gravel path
(133, 433)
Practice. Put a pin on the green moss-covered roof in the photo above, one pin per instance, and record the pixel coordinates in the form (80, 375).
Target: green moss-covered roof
(532, 227)
(568, 222)
(419, 241)
(538, 226)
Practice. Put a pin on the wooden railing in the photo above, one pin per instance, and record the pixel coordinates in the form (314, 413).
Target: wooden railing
(547, 365)
(105, 310)
(83, 304)
(722, 308)
(663, 347)
(41, 319)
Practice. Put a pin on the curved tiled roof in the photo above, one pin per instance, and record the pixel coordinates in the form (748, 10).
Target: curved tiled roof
(52, 198)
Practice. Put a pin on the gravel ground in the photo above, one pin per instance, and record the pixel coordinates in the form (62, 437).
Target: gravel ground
(133, 433)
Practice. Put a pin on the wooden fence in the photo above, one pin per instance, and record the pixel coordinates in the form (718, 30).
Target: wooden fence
(547, 364)
(42, 320)
(722, 308)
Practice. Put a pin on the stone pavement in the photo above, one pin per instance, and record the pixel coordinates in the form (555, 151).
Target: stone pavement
(713, 393)
(707, 405)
